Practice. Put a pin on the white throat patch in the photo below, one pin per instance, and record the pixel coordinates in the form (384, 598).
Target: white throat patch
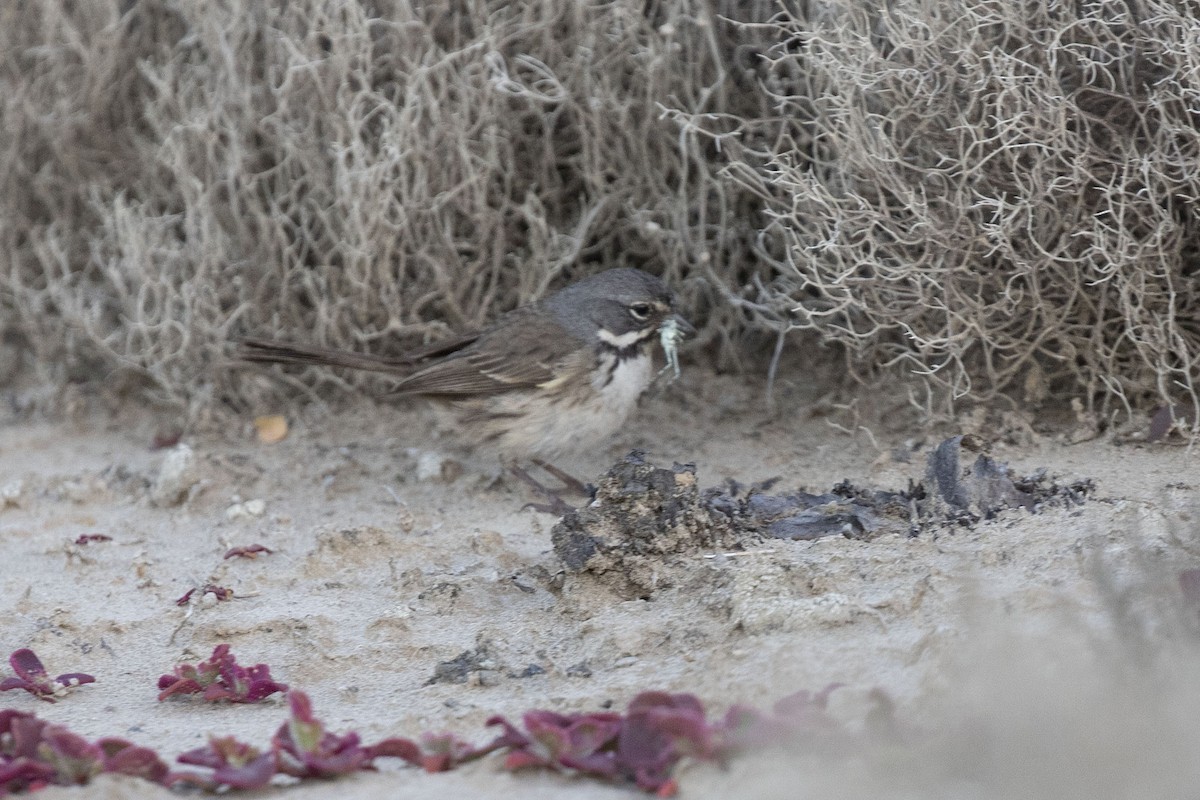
(623, 340)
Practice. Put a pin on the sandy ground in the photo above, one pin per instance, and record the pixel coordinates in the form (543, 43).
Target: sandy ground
(1046, 655)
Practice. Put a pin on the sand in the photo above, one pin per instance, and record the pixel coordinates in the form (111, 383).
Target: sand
(1047, 654)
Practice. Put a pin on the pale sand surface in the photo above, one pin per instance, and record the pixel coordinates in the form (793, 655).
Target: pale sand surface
(1060, 639)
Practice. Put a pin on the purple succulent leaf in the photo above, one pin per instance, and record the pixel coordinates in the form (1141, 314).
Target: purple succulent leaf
(603, 764)
(549, 738)
(228, 670)
(33, 678)
(219, 663)
(300, 708)
(74, 759)
(306, 750)
(523, 759)
(70, 680)
(216, 692)
(188, 778)
(261, 689)
(26, 732)
(645, 754)
(660, 729)
(335, 755)
(248, 551)
(680, 719)
(336, 763)
(28, 666)
(744, 727)
(396, 747)
(23, 774)
(591, 744)
(221, 678)
(167, 681)
(11, 717)
(171, 686)
(200, 757)
(797, 714)
(259, 672)
(547, 719)
(582, 741)
(511, 737)
(684, 702)
(220, 751)
(302, 732)
(254, 775)
(444, 751)
(126, 758)
(234, 764)
(591, 732)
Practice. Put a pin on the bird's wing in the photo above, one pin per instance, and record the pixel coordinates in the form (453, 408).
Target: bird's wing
(522, 350)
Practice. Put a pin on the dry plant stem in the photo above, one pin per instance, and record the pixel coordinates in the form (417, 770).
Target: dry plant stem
(995, 196)
(363, 176)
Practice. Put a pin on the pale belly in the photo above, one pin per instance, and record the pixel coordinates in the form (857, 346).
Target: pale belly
(574, 422)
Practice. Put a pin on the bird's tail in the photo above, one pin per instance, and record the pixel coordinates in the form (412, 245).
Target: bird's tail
(269, 351)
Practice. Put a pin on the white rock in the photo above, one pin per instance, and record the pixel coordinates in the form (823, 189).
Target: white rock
(246, 510)
(435, 466)
(10, 493)
(177, 475)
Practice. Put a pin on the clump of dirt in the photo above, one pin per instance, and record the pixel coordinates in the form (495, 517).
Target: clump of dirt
(642, 515)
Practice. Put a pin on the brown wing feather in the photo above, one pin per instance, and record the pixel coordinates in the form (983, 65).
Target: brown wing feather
(522, 350)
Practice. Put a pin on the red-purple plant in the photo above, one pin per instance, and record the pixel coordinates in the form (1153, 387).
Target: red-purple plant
(33, 678)
(221, 678)
(88, 538)
(234, 764)
(641, 746)
(35, 753)
(644, 745)
(442, 752)
(797, 715)
(247, 551)
(304, 749)
(219, 592)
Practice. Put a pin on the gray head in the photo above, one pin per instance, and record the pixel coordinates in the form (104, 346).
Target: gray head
(622, 302)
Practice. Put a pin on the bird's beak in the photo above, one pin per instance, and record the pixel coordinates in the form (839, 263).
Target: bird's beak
(682, 325)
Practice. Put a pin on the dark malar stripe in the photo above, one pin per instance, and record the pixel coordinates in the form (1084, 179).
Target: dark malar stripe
(623, 354)
(629, 350)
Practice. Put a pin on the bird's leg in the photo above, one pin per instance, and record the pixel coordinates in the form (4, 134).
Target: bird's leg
(553, 505)
(570, 482)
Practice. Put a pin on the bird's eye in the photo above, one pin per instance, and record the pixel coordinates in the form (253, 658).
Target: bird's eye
(640, 311)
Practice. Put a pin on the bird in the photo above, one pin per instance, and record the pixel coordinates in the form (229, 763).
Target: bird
(549, 379)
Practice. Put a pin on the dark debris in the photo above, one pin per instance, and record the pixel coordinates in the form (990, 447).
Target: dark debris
(461, 668)
(643, 515)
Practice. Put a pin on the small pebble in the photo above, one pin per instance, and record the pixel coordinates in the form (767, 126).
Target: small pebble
(10, 493)
(247, 510)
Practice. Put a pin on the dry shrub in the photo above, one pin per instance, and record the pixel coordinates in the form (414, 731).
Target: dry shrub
(997, 195)
(363, 175)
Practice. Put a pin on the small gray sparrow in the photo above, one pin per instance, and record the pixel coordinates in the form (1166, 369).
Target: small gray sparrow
(551, 378)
